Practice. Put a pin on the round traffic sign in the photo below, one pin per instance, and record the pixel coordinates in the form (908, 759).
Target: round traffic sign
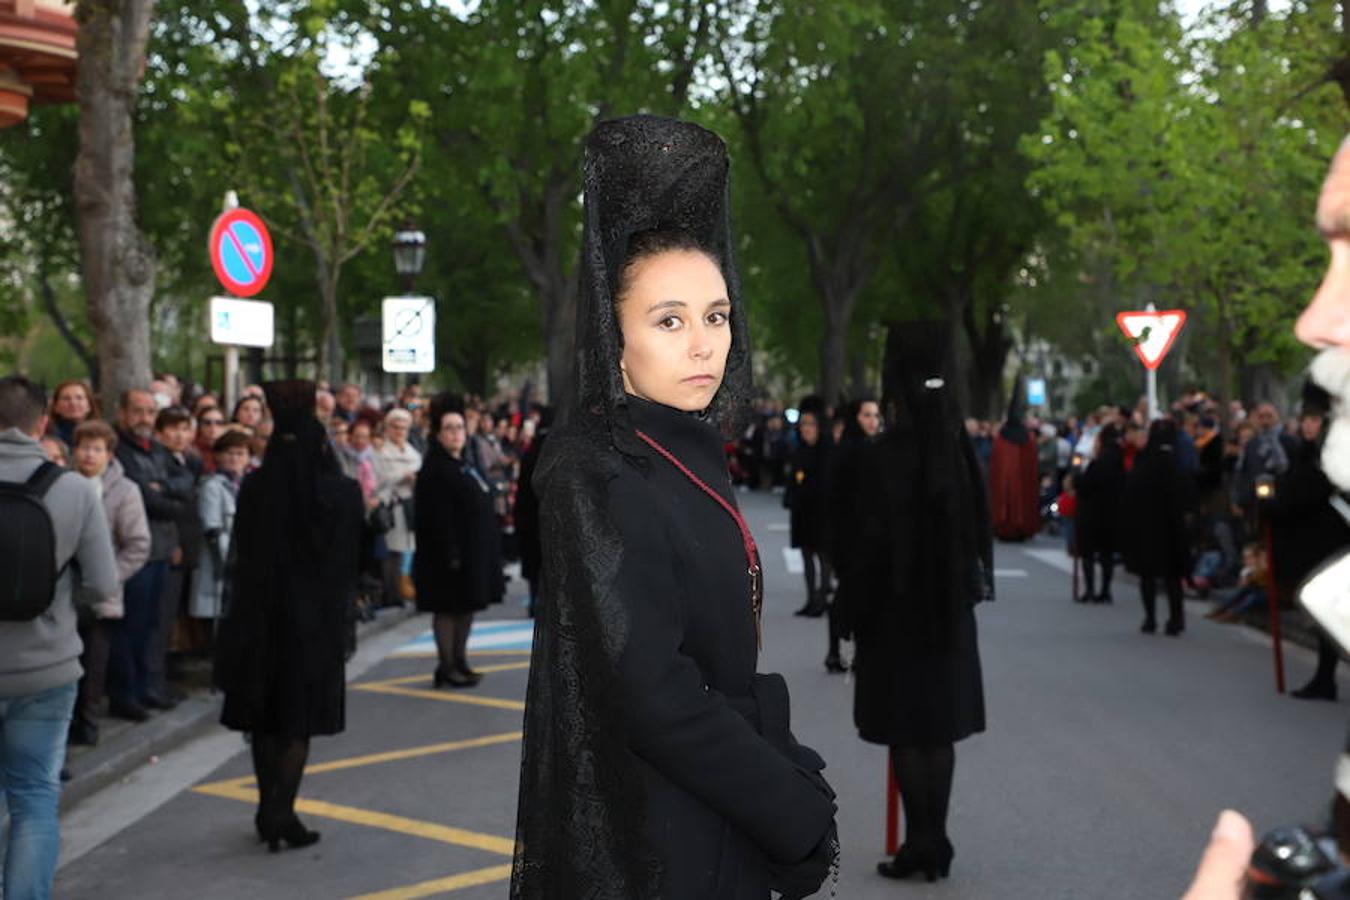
(241, 252)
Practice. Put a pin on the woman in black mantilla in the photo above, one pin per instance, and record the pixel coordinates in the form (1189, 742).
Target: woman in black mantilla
(458, 563)
(925, 558)
(284, 633)
(656, 763)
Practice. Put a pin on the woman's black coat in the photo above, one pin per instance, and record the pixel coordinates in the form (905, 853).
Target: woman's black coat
(657, 764)
(457, 567)
(284, 637)
(805, 497)
(1153, 537)
(1099, 489)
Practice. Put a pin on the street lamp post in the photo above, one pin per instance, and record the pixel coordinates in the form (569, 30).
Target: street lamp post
(410, 251)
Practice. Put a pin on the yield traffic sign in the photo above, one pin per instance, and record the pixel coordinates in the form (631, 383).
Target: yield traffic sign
(1152, 333)
(241, 252)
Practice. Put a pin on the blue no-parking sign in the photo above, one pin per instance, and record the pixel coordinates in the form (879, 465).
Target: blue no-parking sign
(241, 252)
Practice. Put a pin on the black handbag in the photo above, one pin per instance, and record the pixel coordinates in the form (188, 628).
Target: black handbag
(381, 518)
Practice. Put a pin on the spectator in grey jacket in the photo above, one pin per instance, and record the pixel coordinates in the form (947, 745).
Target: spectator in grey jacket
(216, 505)
(95, 443)
(40, 658)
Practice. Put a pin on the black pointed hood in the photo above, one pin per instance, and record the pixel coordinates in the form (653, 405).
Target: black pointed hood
(647, 173)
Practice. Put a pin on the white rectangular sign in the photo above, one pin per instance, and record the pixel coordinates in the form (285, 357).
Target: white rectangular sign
(241, 323)
(409, 334)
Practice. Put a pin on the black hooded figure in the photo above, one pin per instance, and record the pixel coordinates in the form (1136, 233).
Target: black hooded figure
(656, 763)
(294, 559)
(924, 559)
(805, 498)
(845, 487)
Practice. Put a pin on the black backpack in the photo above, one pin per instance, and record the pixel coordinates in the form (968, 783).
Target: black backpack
(27, 546)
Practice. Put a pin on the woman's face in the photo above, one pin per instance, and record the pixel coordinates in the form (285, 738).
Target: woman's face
(210, 426)
(359, 436)
(453, 433)
(396, 431)
(250, 412)
(809, 429)
(92, 457)
(676, 324)
(72, 404)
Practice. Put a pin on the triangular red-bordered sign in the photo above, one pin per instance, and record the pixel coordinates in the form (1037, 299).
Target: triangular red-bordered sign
(1152, 333)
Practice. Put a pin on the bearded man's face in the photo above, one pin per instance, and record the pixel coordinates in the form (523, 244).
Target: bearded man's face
(1325, 323)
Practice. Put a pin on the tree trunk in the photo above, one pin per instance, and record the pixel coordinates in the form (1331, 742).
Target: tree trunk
(331, 362)
(117, 263)
(1224, 393)
(560, 339)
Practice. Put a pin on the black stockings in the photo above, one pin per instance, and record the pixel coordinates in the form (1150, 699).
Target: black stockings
(924, 775)
(278, 763)
(1148, 591)
(817, 576)
(452, 640)
(1090, 562)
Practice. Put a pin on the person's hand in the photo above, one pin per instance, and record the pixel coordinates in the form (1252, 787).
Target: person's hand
(176, 558)
(1224, 864)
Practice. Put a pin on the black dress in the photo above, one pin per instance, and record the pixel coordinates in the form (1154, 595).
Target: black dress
(1157, 496)
(457, 566)
(917, 666)
(284, 635)
(656, 762)
(1099, 488)
(805, 496)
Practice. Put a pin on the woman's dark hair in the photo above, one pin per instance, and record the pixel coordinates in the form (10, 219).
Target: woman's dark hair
(1162, 433)
(644, 245)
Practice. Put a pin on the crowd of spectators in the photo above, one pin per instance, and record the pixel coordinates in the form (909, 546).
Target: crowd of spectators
(168, 462)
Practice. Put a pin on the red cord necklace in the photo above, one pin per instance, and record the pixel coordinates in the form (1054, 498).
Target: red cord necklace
(747, 539)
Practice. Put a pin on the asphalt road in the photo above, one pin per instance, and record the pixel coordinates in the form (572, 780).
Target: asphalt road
(1108, 755)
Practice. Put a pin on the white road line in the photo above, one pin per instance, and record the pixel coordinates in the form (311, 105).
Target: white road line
(778, 526)
(1057, 559)
(792, 558)
(1010, 573)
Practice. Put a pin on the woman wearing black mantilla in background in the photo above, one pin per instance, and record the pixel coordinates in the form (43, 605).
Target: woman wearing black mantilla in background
(284, 633)
(925, 558)
(656, 762)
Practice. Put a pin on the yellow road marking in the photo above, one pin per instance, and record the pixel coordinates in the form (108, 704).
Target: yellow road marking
(381, 687)
(354, 815)
(414, 679)
(413, 752)
(442, 885)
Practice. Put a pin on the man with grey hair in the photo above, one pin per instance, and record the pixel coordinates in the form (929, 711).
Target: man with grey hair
(40, 656)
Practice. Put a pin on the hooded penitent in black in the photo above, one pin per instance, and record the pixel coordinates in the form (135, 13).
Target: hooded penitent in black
(925, 559)
(656, 763)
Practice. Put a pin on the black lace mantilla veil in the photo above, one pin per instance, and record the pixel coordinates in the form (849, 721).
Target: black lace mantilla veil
(579, 828)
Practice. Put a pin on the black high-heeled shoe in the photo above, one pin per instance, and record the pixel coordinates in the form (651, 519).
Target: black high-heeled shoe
(910, 860)
(462, 668)
(291, 833)
(453, 678)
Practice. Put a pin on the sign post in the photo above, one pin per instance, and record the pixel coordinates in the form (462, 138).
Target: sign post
(240, 249)
(1152, 334)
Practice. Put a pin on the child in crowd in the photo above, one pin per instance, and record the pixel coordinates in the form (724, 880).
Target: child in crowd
(1250, 592)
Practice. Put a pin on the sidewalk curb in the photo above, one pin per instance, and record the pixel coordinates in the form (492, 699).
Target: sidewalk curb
(119, 756)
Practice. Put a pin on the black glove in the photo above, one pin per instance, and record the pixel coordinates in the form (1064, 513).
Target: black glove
(802, 879)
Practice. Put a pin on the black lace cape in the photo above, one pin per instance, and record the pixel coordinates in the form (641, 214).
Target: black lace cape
(579, 828)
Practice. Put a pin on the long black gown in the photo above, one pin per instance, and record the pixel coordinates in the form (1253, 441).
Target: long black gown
(284, 635)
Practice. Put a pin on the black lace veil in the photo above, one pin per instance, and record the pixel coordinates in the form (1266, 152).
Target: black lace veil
(647, 173)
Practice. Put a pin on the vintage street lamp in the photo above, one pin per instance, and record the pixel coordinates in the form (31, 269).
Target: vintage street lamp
(410, 251)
